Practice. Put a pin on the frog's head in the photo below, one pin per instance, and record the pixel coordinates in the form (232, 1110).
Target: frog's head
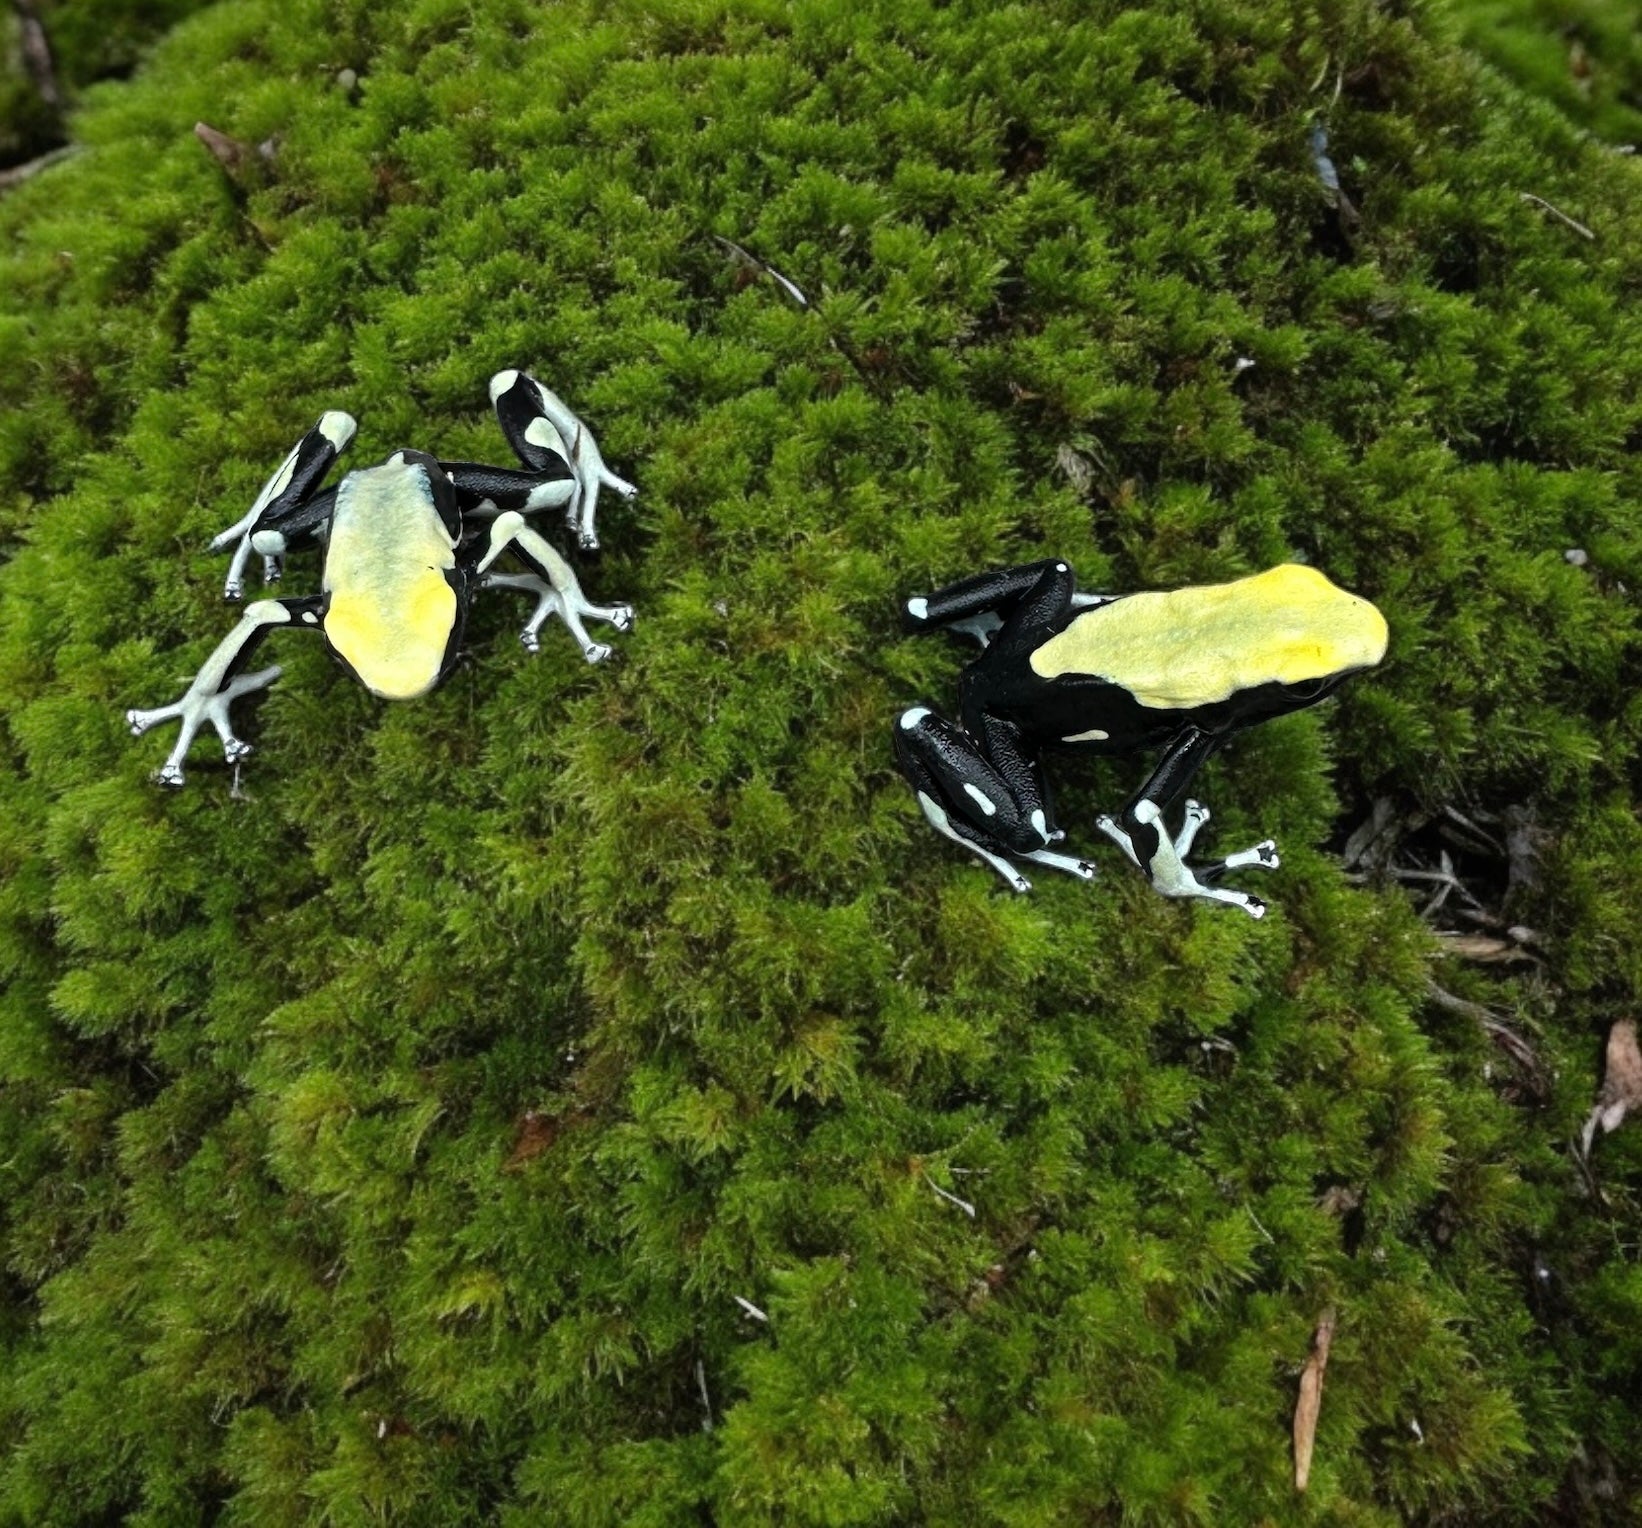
(1319, 633)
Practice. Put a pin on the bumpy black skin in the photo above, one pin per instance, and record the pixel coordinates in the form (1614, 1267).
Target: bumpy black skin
(1010, 713)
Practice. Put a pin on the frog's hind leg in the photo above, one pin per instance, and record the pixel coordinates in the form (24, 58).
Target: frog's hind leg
(967, 799)
(554, 583)
(1140, 832)
(221, 681)
(548, 438)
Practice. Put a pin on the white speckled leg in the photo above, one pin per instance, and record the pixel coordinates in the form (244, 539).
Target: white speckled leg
(1196, 815)
(582, 452)
(555, 584)
(1070, 863)
(1263, 856)
(306, 466)
(939, 821)
(208, 698)
(1168, 872)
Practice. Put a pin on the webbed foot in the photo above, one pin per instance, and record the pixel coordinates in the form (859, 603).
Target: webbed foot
(1165, 860)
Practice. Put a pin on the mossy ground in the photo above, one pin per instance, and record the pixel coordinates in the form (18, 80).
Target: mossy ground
(394, 1144)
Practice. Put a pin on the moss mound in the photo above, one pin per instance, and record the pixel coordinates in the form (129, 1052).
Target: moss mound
(406, 1140)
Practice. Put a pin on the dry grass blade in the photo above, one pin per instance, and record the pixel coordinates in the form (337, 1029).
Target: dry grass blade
(37, 52)
(1482, 948)
(1310, 1402)
(1621, 1084)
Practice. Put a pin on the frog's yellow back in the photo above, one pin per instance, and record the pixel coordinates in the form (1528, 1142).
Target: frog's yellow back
(392, 608)
(1194, 647)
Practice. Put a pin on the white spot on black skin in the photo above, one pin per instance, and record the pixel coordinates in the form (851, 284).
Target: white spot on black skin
(501, 383)
(1093, 735)
(938, 820)
(981, 799)
(910, 719)
(310, 617)
(918, 609)
(1060, 567)
(1041, 824)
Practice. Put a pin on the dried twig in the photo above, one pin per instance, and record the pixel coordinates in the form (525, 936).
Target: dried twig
(1482, 948)
(1558, 214)
(706, 1398)
(1310, 1402)
(962, 1204)
(1494, 1027)
(37, 53)
(751, 261)
(16, 174)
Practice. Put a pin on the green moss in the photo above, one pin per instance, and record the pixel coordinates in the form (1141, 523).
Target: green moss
(396, 1143)
(50, 50)
(1582, 54)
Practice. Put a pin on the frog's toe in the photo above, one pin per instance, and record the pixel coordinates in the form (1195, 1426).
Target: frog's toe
(1263, 856)
(1196, 815)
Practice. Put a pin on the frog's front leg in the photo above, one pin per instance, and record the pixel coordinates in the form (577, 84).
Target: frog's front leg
(220, 682)
(1139, 830)
(554, 583)
(978, 606)
(288, 503)
(994, 812)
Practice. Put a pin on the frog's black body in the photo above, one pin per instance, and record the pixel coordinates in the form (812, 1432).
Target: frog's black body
(1117, 675)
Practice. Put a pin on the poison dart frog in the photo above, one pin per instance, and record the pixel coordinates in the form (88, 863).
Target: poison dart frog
(1180, 670)
(407, 546)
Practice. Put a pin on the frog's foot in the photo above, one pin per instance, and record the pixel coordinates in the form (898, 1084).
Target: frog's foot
(220, 682)
(1141, 837)
(1196, 815)
(545, 433)
(569, 604)
(194, 710)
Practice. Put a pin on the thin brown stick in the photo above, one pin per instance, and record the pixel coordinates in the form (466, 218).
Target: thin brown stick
(1558, 214)
(37, 53)
(1310, 1402)
(18, 173)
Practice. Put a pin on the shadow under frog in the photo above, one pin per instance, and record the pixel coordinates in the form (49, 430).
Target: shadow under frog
(1180, 670)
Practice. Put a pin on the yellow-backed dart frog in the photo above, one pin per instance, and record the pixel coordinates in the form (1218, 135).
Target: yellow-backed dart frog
(405, 551)
(1180, 670)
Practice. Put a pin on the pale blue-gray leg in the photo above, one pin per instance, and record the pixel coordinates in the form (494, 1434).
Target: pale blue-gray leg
(554, 583)
(1167, 870)
(216, 687)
